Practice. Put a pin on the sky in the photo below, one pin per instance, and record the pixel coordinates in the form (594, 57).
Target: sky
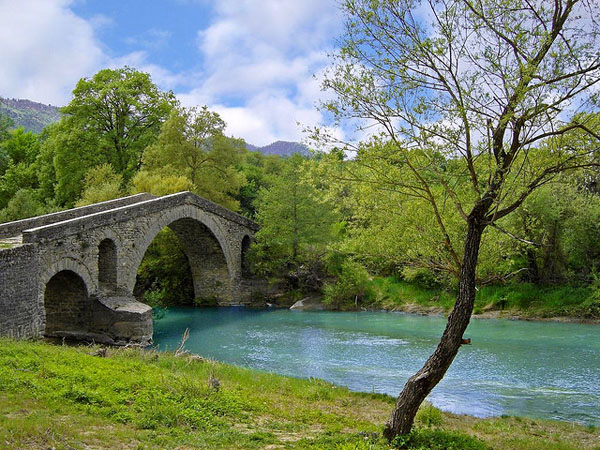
(256, 62)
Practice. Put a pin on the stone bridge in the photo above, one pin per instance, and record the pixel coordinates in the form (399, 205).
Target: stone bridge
(72, 273)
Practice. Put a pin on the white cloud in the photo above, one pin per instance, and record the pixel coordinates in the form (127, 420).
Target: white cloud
(259, 61)
(162, 77)
(45, 49)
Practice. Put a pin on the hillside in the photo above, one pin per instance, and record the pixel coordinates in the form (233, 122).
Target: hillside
(30, 115)
(281, 148)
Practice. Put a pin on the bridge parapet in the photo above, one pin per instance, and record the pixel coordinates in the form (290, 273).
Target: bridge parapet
(15, 228)
(128, 212)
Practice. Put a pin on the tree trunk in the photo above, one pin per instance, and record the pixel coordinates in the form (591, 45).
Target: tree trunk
(420, 385)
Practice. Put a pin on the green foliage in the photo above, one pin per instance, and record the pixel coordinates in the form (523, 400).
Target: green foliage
(21, 146)
(158, 184)
(429, 416)
(513, 299)
(562, 220)
(112, 117)
(392, 233)
(6, 123)
(296, 222)
(428, 439)
(22, 205)
(352, 287)
(20, 152)
(258, 170)
(101, 183)
(123, 109)
(67, 153)
(192, 144)
(164, 277)
(590, 308)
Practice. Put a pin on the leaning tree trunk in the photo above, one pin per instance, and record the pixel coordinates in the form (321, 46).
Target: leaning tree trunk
(420, 385)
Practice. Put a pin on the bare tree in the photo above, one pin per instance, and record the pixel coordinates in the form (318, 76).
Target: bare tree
(498, 87)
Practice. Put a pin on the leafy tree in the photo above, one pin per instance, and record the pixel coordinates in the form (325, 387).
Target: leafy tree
(45, 161)
(112, 117)
(66, 155)
(559, 224)
(192, 144)
(478, 84)
(22, 146)
(158, 184)
(101, 184)
(296, 224)
(257, 169)
(352, 284)
(124, 109)
(22, 205)
(6, 123)
(21, 150)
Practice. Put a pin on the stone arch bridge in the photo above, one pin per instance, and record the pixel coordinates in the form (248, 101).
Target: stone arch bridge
(72, 273)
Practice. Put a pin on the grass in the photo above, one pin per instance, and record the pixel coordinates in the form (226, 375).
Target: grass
(523, 299)
(73, 397)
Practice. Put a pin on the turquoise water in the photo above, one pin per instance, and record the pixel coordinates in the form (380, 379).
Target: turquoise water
(534, 369)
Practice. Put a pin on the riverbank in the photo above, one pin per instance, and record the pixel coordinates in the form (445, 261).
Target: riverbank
(519, 301)
(66, 397)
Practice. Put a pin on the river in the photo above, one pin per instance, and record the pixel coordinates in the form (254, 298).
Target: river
(535, 369)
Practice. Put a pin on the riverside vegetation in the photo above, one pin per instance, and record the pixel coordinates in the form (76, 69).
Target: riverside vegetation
(327, 225)
(64, 397)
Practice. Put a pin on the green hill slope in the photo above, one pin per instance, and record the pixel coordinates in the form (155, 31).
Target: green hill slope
(27, 114)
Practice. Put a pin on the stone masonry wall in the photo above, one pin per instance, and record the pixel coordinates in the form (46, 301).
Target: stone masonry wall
(20, 314)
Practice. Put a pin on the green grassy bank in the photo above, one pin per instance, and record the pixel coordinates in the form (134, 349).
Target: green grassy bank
(523, 300)
(65, 397)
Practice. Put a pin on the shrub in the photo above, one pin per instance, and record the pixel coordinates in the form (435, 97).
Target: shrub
(428, 439)
(430, 416)
(352, 287)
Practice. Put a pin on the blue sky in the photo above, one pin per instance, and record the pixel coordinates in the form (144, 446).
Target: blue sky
(252, 61)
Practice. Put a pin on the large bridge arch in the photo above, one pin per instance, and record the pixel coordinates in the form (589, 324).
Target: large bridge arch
(206, 247)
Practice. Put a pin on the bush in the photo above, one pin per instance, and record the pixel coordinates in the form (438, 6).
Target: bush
(590, 309)
(24, 204)
(422, 276)
(352, 288)
(429, 416)
(428, 439)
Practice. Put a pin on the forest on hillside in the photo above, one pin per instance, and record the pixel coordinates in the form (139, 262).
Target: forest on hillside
(337, 222)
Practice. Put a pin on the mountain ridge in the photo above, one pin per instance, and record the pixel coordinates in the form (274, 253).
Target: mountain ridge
(35, 116)
(30, 115)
